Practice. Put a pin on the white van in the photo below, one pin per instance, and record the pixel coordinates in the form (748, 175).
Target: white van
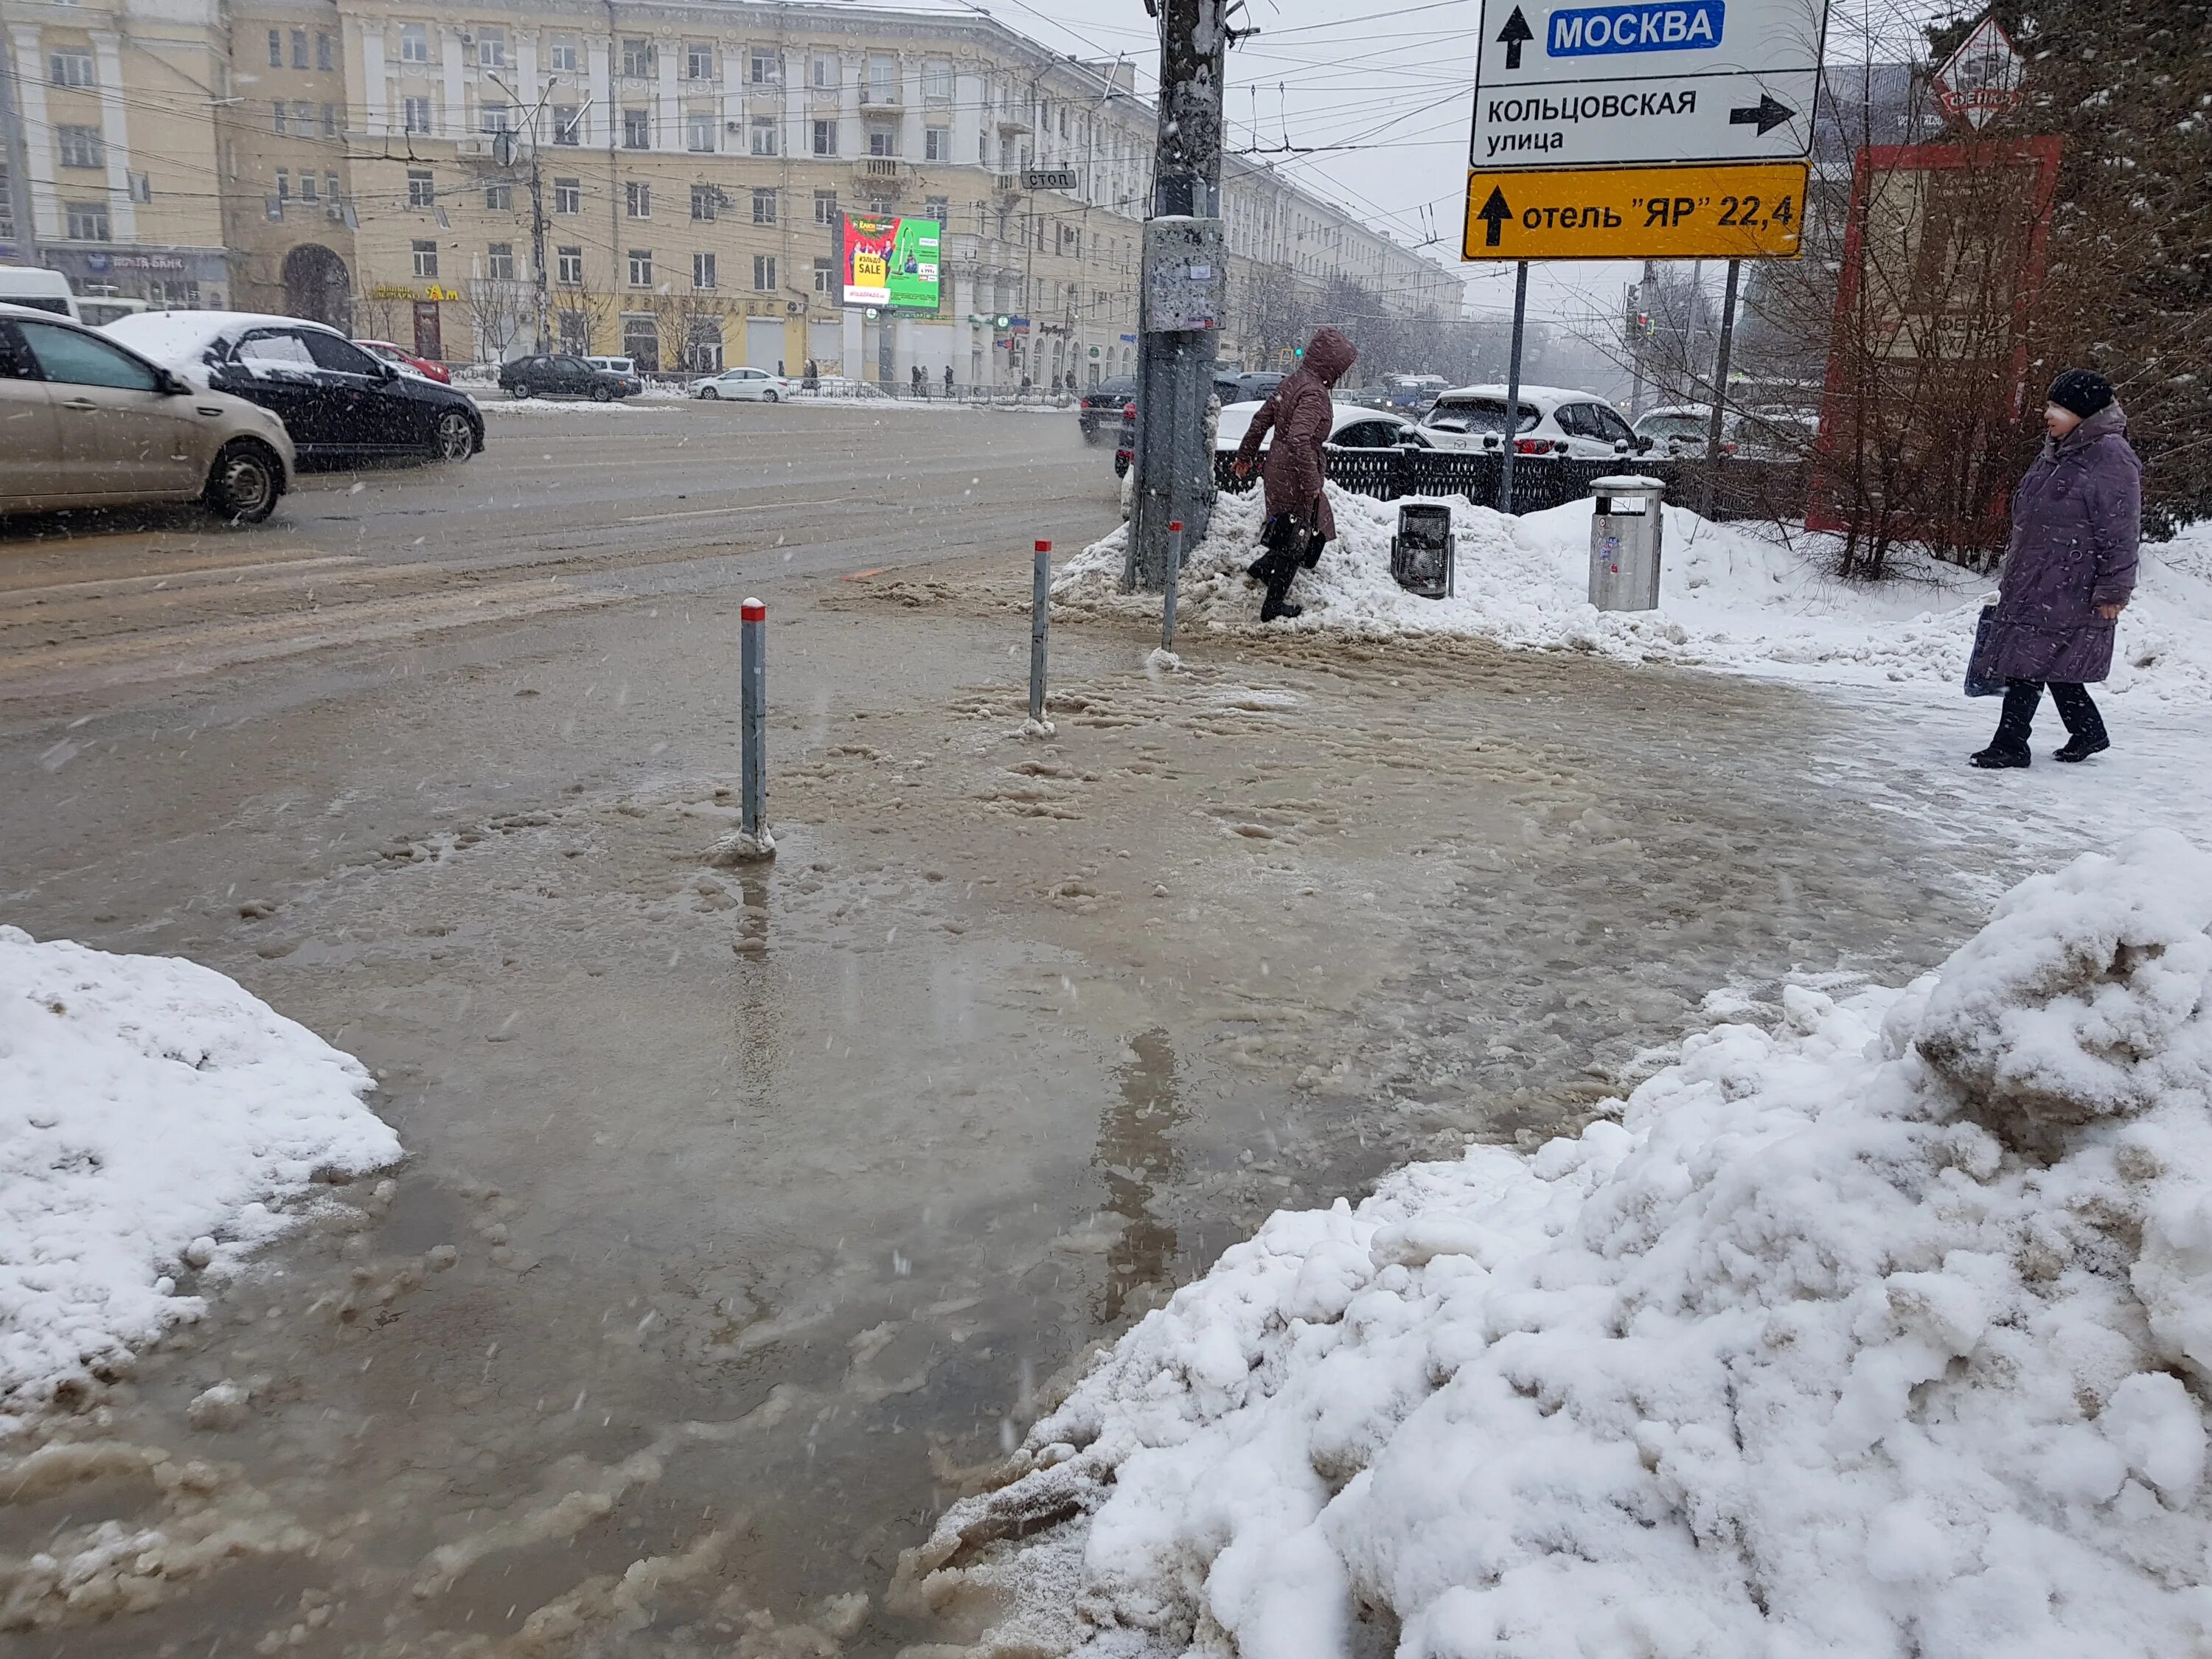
(41, 291)
(99, 310)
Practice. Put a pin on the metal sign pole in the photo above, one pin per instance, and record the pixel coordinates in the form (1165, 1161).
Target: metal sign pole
(1513, 386)
(1040, 625)
(752, 672)
(1720, 392)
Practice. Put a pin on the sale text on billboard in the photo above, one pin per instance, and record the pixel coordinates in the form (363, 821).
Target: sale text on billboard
(890, 262)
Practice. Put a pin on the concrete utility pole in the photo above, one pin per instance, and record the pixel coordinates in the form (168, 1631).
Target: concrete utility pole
(17, 153)
(1183, 281)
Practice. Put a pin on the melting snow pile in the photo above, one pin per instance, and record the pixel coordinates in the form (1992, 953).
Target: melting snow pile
(1731, 597)
(154, 1118)
(1884, 1332)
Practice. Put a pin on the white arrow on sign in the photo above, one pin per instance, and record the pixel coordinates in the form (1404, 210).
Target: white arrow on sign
(1645, 82)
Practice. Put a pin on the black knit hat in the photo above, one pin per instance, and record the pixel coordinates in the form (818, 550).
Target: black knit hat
(2082, 392)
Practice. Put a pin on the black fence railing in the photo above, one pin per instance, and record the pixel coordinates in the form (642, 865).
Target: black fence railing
(1742, 489)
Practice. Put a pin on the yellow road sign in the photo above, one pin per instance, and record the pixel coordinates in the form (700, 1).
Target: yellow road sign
(1738, 211)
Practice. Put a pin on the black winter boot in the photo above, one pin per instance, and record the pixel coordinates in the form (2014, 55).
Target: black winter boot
(1994, 759)
(2081, 748)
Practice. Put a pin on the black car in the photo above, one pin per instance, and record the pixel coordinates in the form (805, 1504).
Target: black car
(336, 401)
(1255, 388)
(563, 377)
(1102, 407)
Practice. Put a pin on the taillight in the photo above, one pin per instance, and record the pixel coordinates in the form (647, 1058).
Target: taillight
(1531, 446)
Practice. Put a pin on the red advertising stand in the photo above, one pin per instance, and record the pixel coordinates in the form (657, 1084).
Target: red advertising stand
(1922, 413)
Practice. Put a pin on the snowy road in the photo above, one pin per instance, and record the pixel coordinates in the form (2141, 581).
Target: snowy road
(775, 1200)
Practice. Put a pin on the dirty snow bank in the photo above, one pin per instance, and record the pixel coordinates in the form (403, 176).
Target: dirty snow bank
(1730, 598)
(154, 1118)
(1883, 1332)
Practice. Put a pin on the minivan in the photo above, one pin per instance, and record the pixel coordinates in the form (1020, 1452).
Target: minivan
(40, 289)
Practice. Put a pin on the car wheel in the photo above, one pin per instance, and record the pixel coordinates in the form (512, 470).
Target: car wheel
(454, 439)
(520, 393)
(602, 395)
(710, 394)
(244, 482)
(770, 396)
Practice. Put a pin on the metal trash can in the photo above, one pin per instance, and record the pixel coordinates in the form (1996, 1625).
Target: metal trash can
(1424, 551)
(1625, 527)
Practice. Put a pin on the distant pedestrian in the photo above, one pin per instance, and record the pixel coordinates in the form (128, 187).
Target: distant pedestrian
(920, 386)
(2068, 573)
(813, 380)
(948, 380)
(1300, 413)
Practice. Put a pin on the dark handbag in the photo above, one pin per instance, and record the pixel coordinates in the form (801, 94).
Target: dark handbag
(1291, 537)
(1979, 681)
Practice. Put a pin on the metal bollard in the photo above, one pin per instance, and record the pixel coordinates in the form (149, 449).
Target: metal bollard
(1040, 621)
(1174, 576)
(752, 674)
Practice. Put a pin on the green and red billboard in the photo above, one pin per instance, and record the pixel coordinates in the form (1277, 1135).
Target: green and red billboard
(889, 263)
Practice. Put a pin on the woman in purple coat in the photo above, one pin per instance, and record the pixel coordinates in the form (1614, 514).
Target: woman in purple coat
(2070, 570)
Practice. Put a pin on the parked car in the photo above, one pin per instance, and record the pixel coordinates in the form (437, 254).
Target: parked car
(90, 422)
(1255, 387)
(336, 401)
(559, 376)
(1551, 421)
(98, 310)
(744, 384)
(1674, 429)
(625, 366)
(1102, 404)
(1355, 426)
(407, 362)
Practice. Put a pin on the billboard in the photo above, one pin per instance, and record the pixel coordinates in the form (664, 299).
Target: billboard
(890, 262)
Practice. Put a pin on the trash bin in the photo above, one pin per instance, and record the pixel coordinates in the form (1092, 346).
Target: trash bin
(1422, 552)
(1625, 524)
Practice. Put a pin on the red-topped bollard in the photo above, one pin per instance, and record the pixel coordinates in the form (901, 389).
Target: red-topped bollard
(752, 761)
(1040, 622)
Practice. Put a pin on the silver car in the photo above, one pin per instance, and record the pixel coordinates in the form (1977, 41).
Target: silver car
(85, 421)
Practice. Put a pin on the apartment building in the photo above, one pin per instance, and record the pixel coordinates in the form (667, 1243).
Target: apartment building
(682, 164)
(117, 105)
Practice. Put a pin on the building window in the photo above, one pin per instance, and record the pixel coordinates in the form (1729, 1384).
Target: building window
(883, 141)
(704, 199)
(883, 82)
(142, 186)
(569, 266)
(637, 128)
(699, 61)
(702, 345)
(937, 80)
(71, 67)
(825, 276)
(499, 262)
(825, 72)
(415, 115)
(764, 273)
(699, 133)
(937, 144)
(426, 259)
(568, 125)
(273, 205)
(308, 189)
(641, 343)
(278, 118)
(81, 147)
(330, 121)
(641, 267)
(825, 207)
(491, 48)
(299, 48)
(637, 199)
(767, 67)
(422, 188)
(325, 53)
(938, 209)
(638, 59)
(825, 137)
(563, 56)
(499, 197)
(283, 183)
(764, 206)
(303, 119)
(763, 134)
(493, 117)
(702, 270)
(414, 43)
(568, 195)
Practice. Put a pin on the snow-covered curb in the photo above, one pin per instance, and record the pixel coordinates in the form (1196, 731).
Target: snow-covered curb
(1730, 598)
(155, 1120)
(1883, 1332)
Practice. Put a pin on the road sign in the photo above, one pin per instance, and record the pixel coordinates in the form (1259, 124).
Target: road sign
(1985, 78)
(1049, 179)
(1740, 212)
(1645, 82)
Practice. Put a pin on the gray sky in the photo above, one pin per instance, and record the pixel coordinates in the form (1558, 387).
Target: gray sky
(1388, 82)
